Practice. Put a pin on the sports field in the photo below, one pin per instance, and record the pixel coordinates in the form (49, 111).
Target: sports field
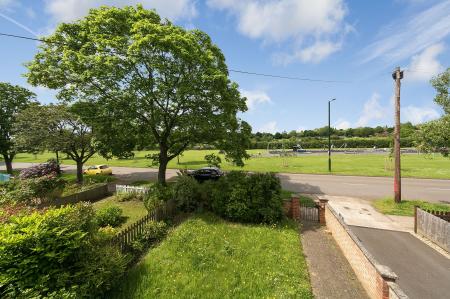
(413, 165)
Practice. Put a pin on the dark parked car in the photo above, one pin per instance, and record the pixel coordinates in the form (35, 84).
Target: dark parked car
(206, 173)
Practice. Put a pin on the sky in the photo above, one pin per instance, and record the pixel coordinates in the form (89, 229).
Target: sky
(357, 43)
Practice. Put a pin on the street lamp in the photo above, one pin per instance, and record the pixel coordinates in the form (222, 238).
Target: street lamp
(329, 136)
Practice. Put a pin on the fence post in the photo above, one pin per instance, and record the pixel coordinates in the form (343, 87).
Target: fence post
(415, 219)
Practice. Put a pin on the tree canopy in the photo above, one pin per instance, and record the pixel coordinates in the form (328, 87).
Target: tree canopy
(13, 99)
(150, 83)
(56, 128)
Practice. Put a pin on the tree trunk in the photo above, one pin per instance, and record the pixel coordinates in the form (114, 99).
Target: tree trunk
(79, 172)
(163, 160)
(58, 170)
(8, 164)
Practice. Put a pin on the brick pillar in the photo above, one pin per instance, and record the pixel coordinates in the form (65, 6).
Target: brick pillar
(287, 208)
(295, 208)
(322, 204)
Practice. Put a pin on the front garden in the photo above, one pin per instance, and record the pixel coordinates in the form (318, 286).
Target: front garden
(208, 257)
(236, 241)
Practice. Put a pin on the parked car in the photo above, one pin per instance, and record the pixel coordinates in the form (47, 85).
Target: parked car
(99, 169)
(206, 173)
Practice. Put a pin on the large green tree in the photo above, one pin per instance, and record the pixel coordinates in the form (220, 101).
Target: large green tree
(56, 128)
(13, 99)
(152, 83)
(434, 136)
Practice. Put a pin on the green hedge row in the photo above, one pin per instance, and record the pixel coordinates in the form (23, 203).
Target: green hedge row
(311, 143)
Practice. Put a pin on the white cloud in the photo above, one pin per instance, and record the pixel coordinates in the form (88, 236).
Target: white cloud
(255, 97)
(301, 129)
(342, 124)
(270, 127)
(372, 111)
(5, 4)
(316, 28)
(410, 35)
(70, 10)
(425, 65)
(417, 115)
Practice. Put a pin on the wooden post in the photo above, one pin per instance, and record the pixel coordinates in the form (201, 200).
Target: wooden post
(415, 219)
(397, 76)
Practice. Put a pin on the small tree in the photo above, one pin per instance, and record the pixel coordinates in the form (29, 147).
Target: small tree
(56, 128)
(213, 160)
(13, 99)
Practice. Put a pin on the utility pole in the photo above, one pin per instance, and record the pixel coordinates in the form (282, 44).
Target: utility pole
(397, 75)
(329, 135)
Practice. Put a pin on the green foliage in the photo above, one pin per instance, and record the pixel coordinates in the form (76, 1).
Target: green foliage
(249, 198)
(186, 193)
(434, 136)
(56, 254)
(213, 160)
(13, 99)
(31, 191)
(156, 84)
(157, 195)
(110, 216)
(442, 85)
(127, 196)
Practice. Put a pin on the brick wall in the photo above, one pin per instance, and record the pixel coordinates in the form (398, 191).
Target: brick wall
(373, 276)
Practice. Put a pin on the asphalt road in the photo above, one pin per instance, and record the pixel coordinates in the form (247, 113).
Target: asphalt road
(354, 186)
(422, 271)
(367, 187)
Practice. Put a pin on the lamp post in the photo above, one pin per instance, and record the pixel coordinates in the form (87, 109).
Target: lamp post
(329, 135)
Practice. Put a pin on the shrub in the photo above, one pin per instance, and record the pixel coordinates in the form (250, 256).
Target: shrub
(45, 169)
(186, 193)
(31, 191)
(213, 160)
(57, 254)
(154, 231)
(127, 196)
(157, 195)
(248, 198)
(109, 216)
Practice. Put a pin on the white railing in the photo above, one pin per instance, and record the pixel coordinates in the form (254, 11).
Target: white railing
(131, 189)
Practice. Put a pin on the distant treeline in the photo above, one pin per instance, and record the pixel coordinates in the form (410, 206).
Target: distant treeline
(363, 137)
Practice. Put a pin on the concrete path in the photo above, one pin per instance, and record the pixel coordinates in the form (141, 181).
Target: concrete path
(331, 274)
(422, 271)
(356, 186)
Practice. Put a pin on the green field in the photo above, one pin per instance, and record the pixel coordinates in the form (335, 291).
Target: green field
(207, 257)
(413, 165)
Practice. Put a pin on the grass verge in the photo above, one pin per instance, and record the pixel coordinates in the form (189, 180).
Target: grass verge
(207, 257)
(406, 207)
(133, 210)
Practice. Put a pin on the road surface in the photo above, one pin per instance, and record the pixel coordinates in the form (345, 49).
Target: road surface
(355, 186)
(422, 271)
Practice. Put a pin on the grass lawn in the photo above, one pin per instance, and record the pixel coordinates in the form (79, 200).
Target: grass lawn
(207, 257)
(406, 207)
(133, 210)
(413, 165)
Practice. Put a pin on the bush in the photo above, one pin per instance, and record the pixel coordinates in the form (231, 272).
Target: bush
(110, 216)
(127, 196)
(157, 195)
(154, 231)
(57, 254)
(45, 169)
(186, 193)
(33, 190)
(248, 198)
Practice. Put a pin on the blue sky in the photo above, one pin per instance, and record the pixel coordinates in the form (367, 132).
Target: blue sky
(359, 42)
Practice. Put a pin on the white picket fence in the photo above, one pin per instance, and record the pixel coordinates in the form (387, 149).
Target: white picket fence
(131, 189)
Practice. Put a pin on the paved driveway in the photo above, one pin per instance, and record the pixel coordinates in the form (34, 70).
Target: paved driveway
(423, 272)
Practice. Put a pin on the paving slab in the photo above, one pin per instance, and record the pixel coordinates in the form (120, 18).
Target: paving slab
(331, 274)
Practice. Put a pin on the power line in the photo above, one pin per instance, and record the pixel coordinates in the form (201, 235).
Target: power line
(231, 70)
